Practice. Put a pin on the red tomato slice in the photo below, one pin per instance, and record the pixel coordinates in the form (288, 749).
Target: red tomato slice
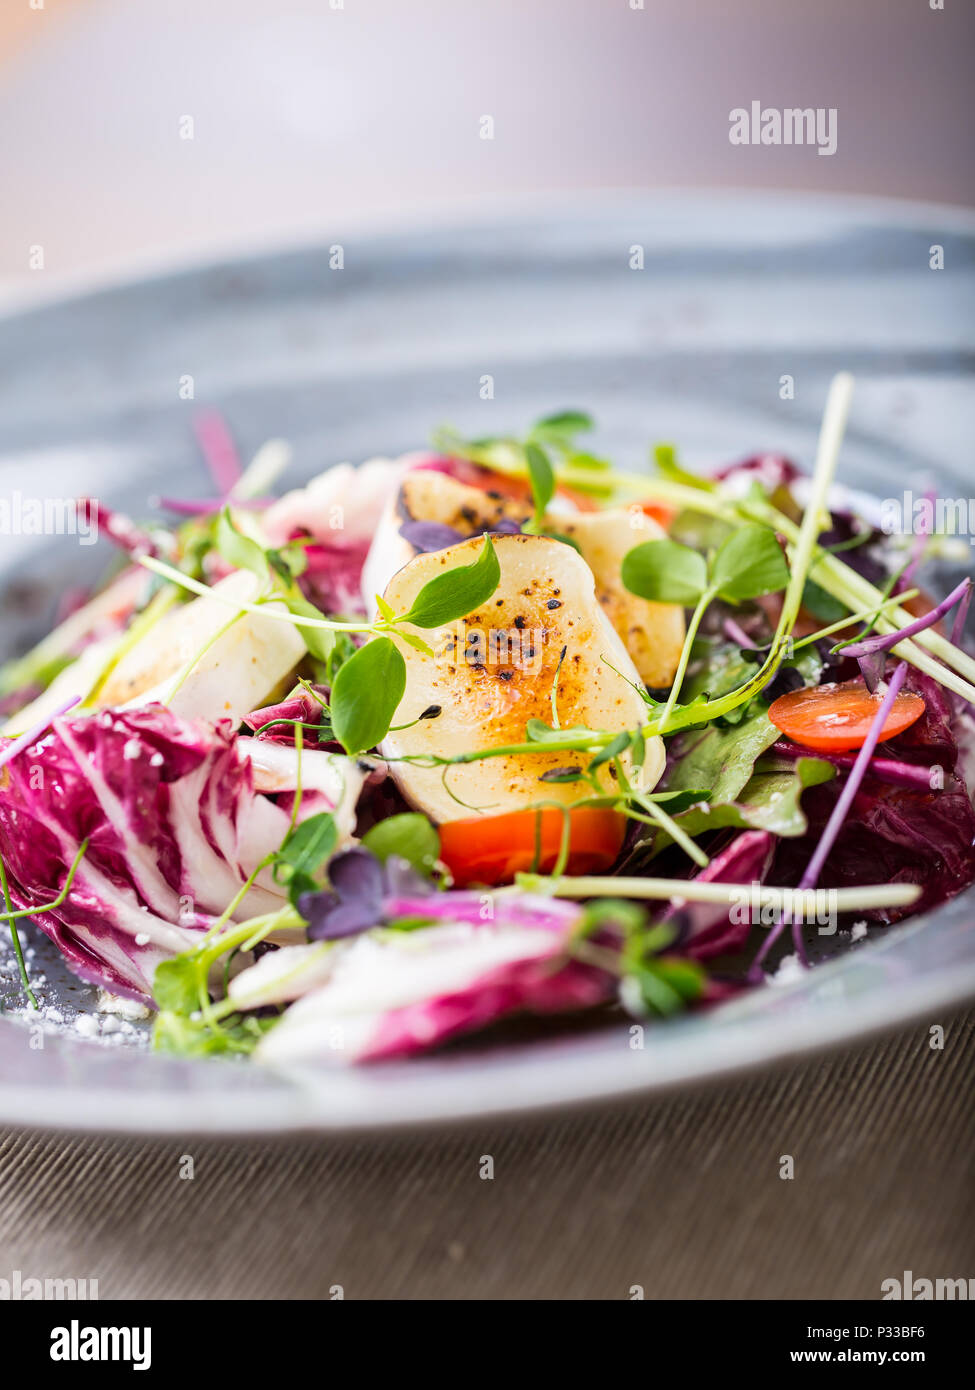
(659, 512)
(492, 849)
(833, 718)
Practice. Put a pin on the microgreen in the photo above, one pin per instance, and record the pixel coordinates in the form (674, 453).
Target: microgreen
(542, 478)
(665, 572)
(12, 917)
(366, 694)
(409, 836)
(457, 592)
(368, 684)
(665, 459)
(241, 551)
(304, 853)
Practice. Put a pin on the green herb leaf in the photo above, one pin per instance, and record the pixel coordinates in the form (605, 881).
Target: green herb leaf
(665, 457)
(720, 758)
(749, 564)
(181, 1036)
(409, 836)
(621, 913)
(542, 479)
(385, 609)
(288, 562)
(613, 749)
(417, 643)
(564, 423)
(176, 983)
(537, 731)
(823, 606)
(366, 693)
(319, 640)
(665, 572)
(455, 593)
(300, 862)
(669, 983)
(769, 800)
(239, 550)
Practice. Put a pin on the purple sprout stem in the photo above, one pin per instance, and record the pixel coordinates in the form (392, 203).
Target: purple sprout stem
(834, 824)
(958, 626)
(884, 642)
(738, 635)
(218, 449)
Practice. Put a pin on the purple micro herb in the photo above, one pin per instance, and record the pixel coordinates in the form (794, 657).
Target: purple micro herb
(428, 536)
(26, 740)
(738, 635)
(218, 449)
(362, 890)
(958, 626)
(883, 642)
(832, 828)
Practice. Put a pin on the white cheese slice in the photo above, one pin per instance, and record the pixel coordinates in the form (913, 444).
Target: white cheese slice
(494, 670)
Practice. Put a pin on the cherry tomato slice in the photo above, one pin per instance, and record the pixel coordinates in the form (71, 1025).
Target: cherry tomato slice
(492, 849)
(659, 512)
(834, 718)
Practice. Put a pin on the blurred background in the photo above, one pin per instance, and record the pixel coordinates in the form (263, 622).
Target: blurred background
(139, 133)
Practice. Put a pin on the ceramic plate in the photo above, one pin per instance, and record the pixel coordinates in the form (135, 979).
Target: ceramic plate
(735, 293)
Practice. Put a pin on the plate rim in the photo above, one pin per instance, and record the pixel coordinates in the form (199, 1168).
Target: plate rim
(948, 989)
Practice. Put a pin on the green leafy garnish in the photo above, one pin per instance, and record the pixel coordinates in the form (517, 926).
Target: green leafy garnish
(239, 550)
(457, 592)
(366, 694)
(301, 860)
(542, 478)
(665, 458)
(769, 800)
(182, 1035)
(409, 836)
(665, 572)
(652, 981)
(749, 565)
(563, 426)
(821, 605)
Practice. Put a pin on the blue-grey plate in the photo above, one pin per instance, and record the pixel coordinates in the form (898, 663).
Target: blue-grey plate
(736, 293)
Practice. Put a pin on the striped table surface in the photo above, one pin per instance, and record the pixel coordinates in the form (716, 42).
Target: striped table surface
(688, 1197)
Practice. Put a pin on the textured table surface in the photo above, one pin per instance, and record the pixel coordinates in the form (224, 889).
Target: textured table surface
(682, 1197)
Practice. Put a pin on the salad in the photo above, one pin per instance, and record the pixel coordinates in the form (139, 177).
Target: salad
(485, 730)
